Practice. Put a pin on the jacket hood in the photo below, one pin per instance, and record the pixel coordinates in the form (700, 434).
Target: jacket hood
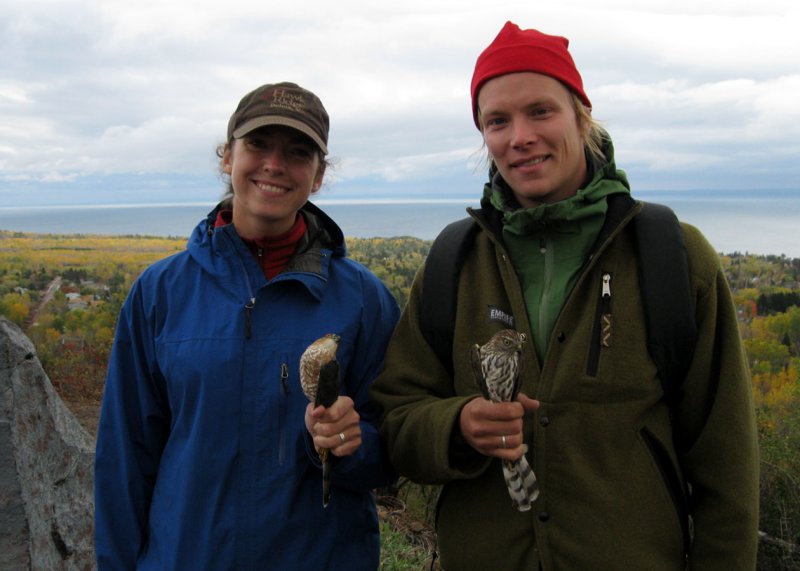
(217, 248)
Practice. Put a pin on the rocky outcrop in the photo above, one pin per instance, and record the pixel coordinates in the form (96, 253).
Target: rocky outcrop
(46, 467)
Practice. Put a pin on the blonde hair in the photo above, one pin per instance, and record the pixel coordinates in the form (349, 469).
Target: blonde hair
(593, 132)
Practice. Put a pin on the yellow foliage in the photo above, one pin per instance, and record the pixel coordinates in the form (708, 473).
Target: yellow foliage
(104, 255)
(51, 336)
(17, 312)
(776, 395)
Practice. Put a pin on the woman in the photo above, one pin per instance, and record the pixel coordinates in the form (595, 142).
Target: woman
(207, 447)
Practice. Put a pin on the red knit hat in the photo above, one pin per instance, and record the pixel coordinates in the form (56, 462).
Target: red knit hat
(515, 50)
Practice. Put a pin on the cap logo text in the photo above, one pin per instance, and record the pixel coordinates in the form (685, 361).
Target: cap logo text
(284, 99)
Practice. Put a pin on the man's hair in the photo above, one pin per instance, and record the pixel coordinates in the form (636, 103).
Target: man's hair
(593, 139)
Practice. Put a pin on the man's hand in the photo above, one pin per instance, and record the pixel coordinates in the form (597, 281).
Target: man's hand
(495, 429)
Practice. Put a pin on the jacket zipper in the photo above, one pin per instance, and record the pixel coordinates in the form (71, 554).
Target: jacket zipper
(544, 307)
(284, 380)
(602, 334)
(248, 309)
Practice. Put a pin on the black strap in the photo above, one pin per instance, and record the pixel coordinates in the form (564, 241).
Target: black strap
(440, 286)
(667, 295)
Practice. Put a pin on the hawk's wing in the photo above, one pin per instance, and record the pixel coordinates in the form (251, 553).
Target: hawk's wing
(328, 385)
(518, 380)
(477, 370)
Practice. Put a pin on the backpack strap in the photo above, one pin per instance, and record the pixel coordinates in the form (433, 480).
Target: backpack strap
(667, 296)
(440, 286)
(669, 312)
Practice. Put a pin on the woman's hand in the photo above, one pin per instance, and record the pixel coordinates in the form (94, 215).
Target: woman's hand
(336, 428)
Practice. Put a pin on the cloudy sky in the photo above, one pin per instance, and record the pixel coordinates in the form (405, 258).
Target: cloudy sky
(119, 101)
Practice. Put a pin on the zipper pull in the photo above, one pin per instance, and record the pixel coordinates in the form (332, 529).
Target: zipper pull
(248, 307)
(284, 378)
(606, 293)
(606, 319)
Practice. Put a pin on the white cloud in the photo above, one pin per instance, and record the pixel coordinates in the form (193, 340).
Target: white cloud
(403, 168)
(112, 86)
(723, 126)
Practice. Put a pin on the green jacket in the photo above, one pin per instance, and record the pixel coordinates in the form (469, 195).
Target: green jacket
(612, 476)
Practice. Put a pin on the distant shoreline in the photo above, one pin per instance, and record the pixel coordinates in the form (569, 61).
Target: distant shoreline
(322, 200)
(765, 223)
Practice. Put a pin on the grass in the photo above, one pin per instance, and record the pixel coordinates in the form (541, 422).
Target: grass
(398, 553)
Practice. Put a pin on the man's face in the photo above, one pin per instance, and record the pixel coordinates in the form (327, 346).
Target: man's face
(531, 130)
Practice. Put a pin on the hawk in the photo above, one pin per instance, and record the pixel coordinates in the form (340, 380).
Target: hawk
(496, 366)
(319, 377)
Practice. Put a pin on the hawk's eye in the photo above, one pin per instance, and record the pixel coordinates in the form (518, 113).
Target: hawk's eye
(506, 342)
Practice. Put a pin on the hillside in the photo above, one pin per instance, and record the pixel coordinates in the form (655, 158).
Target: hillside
(66, 292)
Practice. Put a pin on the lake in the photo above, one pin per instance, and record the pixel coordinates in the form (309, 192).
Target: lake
(762, 222)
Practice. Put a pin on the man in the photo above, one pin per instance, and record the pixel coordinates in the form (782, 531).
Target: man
(626, 481)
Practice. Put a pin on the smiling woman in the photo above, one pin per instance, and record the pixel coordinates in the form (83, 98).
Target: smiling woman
(207, 448)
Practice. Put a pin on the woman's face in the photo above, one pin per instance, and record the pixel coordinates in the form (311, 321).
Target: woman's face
(532, 133)
(273, 171)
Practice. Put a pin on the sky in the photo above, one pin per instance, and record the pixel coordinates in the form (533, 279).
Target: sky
(113, 101)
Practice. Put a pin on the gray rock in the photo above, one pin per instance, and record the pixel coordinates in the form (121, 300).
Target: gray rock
(46, 467)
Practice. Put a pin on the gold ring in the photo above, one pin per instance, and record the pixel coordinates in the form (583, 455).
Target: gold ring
(342, 436)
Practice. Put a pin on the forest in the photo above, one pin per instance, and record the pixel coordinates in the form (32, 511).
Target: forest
(65, 291)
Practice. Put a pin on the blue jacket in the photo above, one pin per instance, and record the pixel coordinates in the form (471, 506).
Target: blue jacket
(203, 460)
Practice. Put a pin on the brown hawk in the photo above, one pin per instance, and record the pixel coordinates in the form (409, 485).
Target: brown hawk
(319, 377)
(496, 366)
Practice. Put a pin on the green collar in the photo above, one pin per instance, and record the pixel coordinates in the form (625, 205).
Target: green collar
(566, 215)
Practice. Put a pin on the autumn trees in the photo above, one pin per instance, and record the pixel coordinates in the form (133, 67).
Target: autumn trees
(88, 278)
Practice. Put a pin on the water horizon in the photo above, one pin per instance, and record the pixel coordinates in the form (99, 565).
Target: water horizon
(763, 222)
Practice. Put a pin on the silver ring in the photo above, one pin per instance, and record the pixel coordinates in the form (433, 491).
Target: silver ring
(503, 440)
(342, 436)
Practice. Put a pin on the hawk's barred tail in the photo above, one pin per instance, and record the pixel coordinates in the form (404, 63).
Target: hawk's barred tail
(521, 483)
(327, 467)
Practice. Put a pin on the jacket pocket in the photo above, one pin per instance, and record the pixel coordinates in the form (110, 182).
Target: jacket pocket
(672, 481)
(439, 501)
(602, 332)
